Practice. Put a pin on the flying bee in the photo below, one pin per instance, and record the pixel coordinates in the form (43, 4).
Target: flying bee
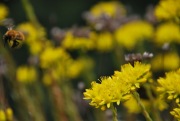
(13, 38)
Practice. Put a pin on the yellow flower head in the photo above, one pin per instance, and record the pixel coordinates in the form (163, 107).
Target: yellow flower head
(168, 61)
(117, 88)
(26, 74)
(131, 33)
(176, 113)
(74, 42)
(134, 75)
(3, 11)
(104, 41)
(2, 115)
(167, 32)
(170, 85)
(9, 114)
(110, 8)
(51, 56)
(168, 9)
(107, 92)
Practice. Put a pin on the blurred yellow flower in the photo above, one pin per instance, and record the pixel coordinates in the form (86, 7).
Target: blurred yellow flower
(167, 61)
(176, 113)
(170, 85)
(34, 37)
(2, 115)
(133, 107)
(111, 8)
(167, 32)
(104, 41)
(26, 74)
(9, 114)
(51, 56)
(74, 42)
(133, 32)
(168, 9)
(133, 75)
(3, 11)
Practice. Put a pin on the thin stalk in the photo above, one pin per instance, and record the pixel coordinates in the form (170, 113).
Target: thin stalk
(30, 12)
(114, 110)
(144, 111)
(155, 112)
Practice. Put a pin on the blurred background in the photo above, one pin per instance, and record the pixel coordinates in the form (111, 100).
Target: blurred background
(68, 44)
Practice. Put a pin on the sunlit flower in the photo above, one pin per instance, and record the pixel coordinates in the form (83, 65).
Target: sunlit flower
(170, 85)
(111, 8)
(167, 61)
(131, 33)
(26, 74)
(134, 75)
(104, 41)
(117, 88)
(3, 11)
(107, 92)
(176, 113)
(167, 32)
(168, 9)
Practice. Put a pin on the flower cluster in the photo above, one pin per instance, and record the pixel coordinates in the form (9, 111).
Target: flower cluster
(118, 87)
(6, 115)
(170, 85)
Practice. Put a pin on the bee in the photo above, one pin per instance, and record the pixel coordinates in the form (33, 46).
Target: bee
(13, 38)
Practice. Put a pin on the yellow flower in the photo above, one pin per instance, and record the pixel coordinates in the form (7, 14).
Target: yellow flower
(26, 74)
(104, 41)
(117, 88)
(76, 67)
(74, 42)
(9, 114)
(131, 33)
(34, 37)
(176, 113)
(107, 92)
(2, 115)
(167, 32)
(132, 105)
(168, 9)
(3, 11)
(133, 75)
(170, 85)
(110, 8)
(51, 56)
(32, 33)
(167, 61)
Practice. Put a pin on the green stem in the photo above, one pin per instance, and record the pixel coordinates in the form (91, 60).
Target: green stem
(144, 111)
(155, 111)
(30, 12)
(114, 110)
